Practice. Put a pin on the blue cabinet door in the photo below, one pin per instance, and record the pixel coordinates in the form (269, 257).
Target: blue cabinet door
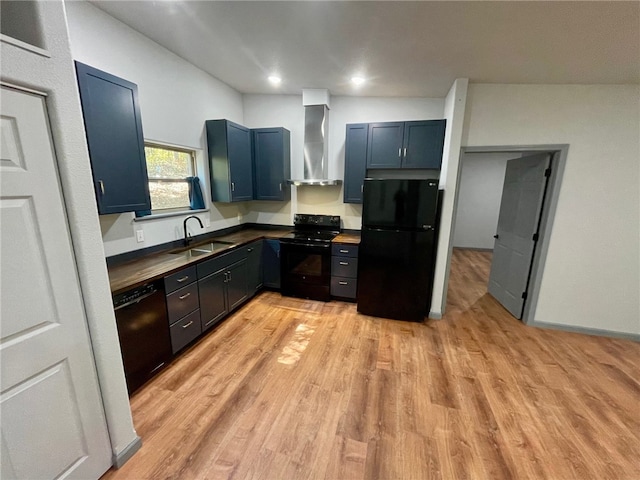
(116, 144)
(355, 161)
(271, 264)
(384, 145)
(271, 163)
(230, 166)
(241, 170)
(254, 267)
(423, 144)
(213, 299)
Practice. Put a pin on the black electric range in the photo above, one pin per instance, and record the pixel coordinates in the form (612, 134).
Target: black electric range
(305, 256)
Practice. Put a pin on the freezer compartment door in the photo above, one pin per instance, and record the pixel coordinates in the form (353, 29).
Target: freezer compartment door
(399, 204)
(395, 273)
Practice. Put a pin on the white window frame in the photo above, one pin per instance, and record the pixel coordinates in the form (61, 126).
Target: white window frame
(196, 166)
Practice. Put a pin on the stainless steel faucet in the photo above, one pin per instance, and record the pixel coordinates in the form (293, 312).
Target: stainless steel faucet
(187, 238)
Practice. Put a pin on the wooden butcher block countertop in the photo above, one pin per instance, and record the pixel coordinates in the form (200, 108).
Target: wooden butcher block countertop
(138, 272)
(348, 238)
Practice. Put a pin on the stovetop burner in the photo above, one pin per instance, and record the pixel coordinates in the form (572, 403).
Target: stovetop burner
(310, 236)
(313, 229)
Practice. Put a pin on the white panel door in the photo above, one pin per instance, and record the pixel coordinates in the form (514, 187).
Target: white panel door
(520, 207)
(51, 413)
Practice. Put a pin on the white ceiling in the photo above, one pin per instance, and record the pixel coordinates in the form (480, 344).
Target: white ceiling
(402, 48)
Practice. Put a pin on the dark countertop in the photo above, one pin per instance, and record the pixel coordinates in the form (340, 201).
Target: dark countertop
(137, 272)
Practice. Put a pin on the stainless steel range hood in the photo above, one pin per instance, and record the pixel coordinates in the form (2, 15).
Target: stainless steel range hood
(316, 147)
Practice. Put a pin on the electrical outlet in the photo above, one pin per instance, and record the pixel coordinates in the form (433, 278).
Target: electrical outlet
(140, 236)
(207, 223)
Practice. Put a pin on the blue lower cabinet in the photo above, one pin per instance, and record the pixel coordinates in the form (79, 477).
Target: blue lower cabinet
(344, 271)
(213, 299)
(185, 331)
(271, 264)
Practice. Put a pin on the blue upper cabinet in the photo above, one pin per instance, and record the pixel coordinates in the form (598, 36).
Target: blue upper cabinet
(271, 163)
(423, 144)
(230, 165)
(116, 144)
(406, 144)
(384, 147)
(355, 161)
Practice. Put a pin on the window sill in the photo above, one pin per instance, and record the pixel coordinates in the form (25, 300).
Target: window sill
(155, 216)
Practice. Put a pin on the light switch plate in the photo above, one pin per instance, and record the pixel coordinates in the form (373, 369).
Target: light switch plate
(140, 236)
(207, 222)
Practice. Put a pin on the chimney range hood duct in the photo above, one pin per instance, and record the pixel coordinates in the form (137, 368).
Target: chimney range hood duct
(316, 147)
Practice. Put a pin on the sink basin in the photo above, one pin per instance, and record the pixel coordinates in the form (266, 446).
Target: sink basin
(203, 249)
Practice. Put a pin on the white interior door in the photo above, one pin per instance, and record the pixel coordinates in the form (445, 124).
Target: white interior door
(520, 207)
(51, 414)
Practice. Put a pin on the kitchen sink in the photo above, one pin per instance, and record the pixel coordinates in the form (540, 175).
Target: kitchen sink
(203, 249)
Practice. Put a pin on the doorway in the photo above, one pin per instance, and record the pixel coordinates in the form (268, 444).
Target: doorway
(520, 216)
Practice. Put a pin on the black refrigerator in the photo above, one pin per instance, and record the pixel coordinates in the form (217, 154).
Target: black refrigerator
(397, 250)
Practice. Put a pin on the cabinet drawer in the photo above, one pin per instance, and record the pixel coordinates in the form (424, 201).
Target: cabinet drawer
(181, 302)
(344, 267)
(179, 279)
(185, 331)
(223, 261)
(344, 250)
(344, 287)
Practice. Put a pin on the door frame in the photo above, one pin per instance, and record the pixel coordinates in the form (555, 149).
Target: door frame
(558, 162)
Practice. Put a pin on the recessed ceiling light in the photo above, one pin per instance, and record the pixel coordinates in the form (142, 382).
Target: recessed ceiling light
(357, 80)
(274, 79)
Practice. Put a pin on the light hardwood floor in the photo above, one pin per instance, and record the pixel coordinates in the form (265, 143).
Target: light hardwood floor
(295, 389)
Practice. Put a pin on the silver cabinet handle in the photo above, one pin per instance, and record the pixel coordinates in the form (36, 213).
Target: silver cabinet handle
(233, 187)
(229, 273)
(344, 251)
(343, 283)
(188, 324)
(101, 183)
(400, 152)
(184, 296)
(183, 279)
(344, 263)
(249, 249)
(280, 186)
(405, 152)
(362, 188)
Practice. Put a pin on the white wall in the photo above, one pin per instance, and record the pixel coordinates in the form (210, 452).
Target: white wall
(480, 191)
(592, 274)
(287, 111)
(175, 100)
(454, 111)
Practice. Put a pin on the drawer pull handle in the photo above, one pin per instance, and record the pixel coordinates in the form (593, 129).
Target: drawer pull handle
(344, 251)
(183, 279)
(188, 324)
(344, 263)
(343, 283)
(182, 297)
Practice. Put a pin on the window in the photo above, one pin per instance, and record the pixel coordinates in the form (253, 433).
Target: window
(168, 169)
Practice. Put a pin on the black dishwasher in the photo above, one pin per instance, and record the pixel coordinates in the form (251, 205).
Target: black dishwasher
(143, 329)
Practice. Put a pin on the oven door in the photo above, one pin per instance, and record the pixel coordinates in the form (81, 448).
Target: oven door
(305, 270)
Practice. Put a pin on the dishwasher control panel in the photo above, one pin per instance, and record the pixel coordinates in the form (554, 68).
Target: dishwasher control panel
(131, 296)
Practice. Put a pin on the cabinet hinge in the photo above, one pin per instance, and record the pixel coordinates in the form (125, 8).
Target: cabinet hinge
(547, 172)
(535, 237)
(524, 295)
